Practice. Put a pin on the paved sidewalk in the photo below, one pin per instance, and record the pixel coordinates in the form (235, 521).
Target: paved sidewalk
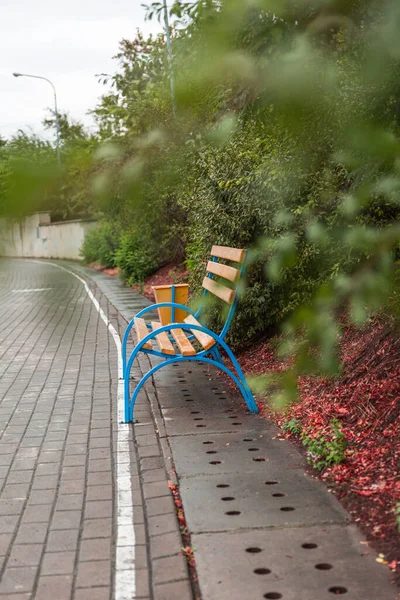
(85, 507)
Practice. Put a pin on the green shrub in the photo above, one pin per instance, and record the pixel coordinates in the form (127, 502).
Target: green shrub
(325, 451)
(100, 245)
(292, 426)
(135, 259)
(397, 513)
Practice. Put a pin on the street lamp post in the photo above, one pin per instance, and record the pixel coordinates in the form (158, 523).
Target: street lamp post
(55, 108)
(170, 57)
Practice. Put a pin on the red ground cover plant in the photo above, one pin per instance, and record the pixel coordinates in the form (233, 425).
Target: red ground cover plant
(366, 401)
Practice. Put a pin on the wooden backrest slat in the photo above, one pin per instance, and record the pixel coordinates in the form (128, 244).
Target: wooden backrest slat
(224, 271)
(234, 254)
(223, 292)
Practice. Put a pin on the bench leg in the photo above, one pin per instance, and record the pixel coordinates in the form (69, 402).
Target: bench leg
(240, 382)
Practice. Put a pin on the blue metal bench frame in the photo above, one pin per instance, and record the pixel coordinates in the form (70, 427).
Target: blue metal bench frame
(211, 356)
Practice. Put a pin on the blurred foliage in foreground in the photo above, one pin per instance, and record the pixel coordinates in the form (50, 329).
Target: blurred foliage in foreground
(286, 140)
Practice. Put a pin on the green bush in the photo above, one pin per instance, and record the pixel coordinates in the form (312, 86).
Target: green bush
(100, 245)
(325, 451)
(135, 259)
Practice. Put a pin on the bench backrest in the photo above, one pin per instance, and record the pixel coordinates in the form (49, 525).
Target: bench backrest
(225, 274)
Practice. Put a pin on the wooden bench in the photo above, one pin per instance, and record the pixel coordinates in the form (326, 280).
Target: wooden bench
(191, 340)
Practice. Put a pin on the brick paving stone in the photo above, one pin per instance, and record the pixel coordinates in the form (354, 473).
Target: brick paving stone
(165, 544)
(66, 519)
(95, 573)
(98, 508)
(148, 451)
(18, 580)
(142, 583)
(69, 502)
(95, 549)
(62, 541)
(162, 524)
(25, 555)
(155, 475)
(97, 528)
(154, 462)
(171, 568)
(8, 525)
(156, 489)
(55, 586)
(31, 533)
(160, 506)
(172, 591)
(94, 593)
(58, 563)
(39, 513)
(99, 492)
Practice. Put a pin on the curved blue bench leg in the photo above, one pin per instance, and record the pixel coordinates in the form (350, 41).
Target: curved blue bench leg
(130, 403)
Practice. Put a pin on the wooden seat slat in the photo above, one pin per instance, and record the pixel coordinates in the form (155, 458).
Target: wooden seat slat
(223, 292)
(182, 342)
(234, 254)
(205, 340)
(164, 343)
(224, 271)
(142, 331)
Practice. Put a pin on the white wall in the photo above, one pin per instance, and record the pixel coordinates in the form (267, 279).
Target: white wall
(35, 237)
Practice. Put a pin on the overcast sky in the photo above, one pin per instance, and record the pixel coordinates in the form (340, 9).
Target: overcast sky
(69, 42)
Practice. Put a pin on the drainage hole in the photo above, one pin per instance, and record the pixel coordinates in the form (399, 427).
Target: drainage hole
(323, 567)
(232, 417)
(208, 442)
(215, 462)
(198, 419)
(201, 425)
(278, 495)
(249, 440)
(259, 459)
(229, 410)
(228, 498)
(253, 449)
(189, 399)
(271, 482)
(223, 485)
(262, 571)
(221, 397)
(233, 513)
(287, 508)
(194, 412)
(211, 452)
(309, 546)
(253, 550)
(273, 595)
(337, 589)
(236, 423)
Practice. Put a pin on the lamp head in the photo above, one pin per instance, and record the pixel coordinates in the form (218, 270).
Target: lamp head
(17, 74)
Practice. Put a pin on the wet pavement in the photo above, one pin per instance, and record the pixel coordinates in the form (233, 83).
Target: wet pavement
(260, 527)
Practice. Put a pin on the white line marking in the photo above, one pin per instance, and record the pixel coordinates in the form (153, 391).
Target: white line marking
(125, 580)
(31, 290)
